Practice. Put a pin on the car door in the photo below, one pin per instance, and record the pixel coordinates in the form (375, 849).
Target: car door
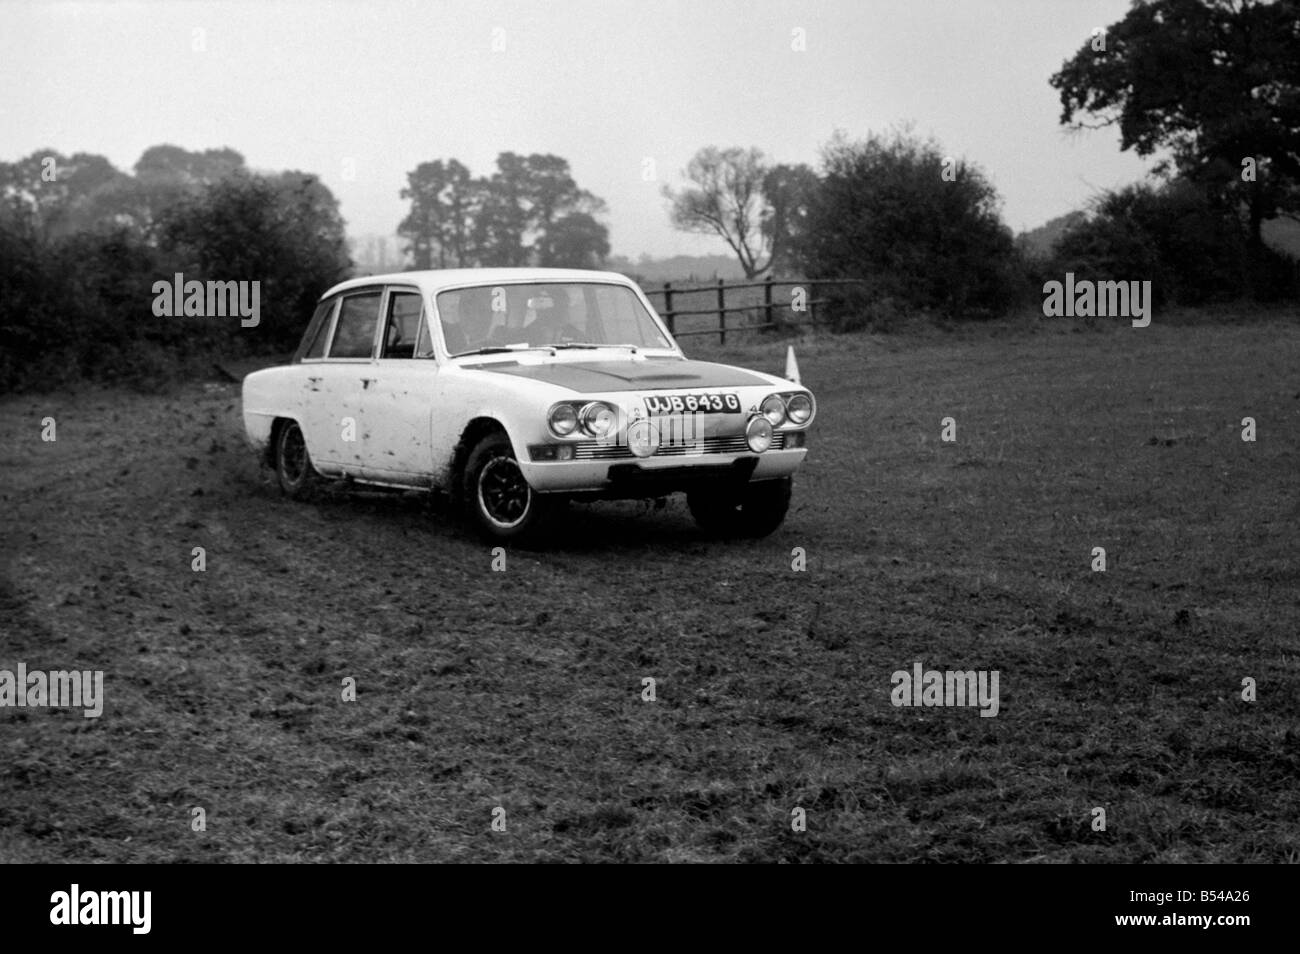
(398, 402)
(310, 355)
(333, 421)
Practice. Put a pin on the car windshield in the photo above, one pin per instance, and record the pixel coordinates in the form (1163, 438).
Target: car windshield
(546, 315)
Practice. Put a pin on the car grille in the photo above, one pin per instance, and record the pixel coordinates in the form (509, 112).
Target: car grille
(734, 444)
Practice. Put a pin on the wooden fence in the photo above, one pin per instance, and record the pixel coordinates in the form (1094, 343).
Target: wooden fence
(769, 304)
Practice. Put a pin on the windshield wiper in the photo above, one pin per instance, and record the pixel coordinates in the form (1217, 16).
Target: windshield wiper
(591, 347)
(504, 349)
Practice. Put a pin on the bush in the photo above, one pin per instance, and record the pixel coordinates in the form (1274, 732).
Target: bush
(80, 306)
(885, 211)
(283, 232)
(865, 307)
(65, 300)
(1192, 249)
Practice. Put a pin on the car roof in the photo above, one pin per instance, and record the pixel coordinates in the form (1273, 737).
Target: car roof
(438, 279)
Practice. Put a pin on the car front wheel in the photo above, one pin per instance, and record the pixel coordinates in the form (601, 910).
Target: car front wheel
(501, 504)
(754, 510)
(294, 470)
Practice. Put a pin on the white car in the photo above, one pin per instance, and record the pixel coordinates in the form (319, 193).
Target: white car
(516, 389)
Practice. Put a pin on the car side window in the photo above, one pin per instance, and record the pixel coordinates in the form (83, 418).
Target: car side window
(354, 332)
(424, 346)
(319, 330)
(402, 324)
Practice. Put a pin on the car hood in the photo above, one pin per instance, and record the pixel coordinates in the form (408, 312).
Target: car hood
(651, 375)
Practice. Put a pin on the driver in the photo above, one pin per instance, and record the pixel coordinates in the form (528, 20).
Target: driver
(553, 324)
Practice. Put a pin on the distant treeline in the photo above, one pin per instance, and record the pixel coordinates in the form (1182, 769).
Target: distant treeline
(83, 244)
(922, 231)
(677, 268)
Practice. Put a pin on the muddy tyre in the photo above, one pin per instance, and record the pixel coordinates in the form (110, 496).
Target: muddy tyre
(499, 502)
(294, 471)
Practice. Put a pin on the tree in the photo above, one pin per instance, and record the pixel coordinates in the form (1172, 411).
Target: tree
(284, 231)
(758, 210)
(523, 200)
(575, 241)
(789, 190)
(438, 227)
(1215, 82)
(549, 191)
(923, 227)
(65, 195)
(58, 194)
(725, 198)
(1191, 248)
(1040, 243)
(504, 219)
(186, 167)
(500, 216)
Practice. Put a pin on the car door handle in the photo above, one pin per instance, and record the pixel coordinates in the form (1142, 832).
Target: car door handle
(366, 382)
(313, 379)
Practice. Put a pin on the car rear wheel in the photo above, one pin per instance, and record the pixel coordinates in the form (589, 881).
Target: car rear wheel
(500, 502)
(754, 510)
(297, 476)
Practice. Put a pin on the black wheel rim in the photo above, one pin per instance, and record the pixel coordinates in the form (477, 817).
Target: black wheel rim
(503, 494)
(293, 455)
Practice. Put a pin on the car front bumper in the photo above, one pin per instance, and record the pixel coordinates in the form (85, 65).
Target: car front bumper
(657, 476)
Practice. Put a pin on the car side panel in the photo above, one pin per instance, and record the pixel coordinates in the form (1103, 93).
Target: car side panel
(397, 410)
(462, 395)
(266, 395)
(331, 395)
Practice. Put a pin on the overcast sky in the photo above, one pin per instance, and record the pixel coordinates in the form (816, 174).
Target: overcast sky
(361, 92)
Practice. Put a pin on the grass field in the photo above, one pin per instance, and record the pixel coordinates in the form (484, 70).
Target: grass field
(522, 689)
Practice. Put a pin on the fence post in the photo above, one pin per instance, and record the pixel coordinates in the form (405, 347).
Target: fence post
(722, 313)
(767, 302)
(668, 308)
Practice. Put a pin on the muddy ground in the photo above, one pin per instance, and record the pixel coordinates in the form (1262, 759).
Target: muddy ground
(522, 690)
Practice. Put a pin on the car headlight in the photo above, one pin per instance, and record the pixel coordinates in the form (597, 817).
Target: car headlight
(642, 438)
(800, 408)
(758, 433)
(773, 408)
(563, 420)
(598, 419)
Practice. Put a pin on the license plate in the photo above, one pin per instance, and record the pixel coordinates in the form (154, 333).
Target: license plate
(692, 404)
